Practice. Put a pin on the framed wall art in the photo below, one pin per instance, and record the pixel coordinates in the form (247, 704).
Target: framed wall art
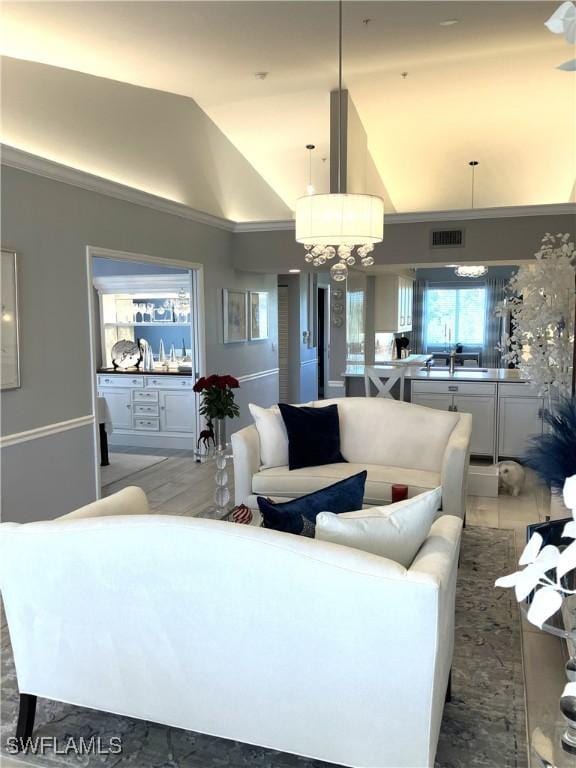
(9, 356)
(258, 315)
(235, 316)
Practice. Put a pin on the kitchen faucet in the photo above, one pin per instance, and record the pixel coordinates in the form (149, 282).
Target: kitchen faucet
(452, 363)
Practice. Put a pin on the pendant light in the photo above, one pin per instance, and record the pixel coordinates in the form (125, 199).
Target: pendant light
(333, 224)
(471, 271)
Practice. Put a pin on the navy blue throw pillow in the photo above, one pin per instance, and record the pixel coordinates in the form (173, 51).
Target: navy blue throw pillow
(313, 435)
(299, 515)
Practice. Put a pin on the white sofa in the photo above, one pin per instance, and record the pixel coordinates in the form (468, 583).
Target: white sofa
(236, 631)
(396, 442)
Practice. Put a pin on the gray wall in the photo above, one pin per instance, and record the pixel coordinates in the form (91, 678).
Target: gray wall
(49, 224)
(511, 239)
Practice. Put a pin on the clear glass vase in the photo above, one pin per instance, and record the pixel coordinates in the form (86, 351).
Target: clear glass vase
(220, 434)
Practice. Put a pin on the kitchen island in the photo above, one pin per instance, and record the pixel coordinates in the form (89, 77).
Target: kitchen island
(506, 408)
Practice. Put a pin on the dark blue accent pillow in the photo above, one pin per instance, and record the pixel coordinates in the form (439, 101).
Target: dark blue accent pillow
(313, 435)
(299, 515)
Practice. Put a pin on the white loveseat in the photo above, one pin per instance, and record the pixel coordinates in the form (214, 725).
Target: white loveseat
(232, 630)
(396, 442)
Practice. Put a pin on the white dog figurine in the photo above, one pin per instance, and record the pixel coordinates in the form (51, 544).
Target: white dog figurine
(510, 477)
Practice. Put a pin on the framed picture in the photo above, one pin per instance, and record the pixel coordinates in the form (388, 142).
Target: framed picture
(258, 315)
(235, 316)
(9, 358)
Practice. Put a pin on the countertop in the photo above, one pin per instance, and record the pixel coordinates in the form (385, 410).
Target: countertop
(465, 373)
(138, 372)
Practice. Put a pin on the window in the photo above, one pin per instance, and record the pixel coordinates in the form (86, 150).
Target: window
(454, 316)
(355, 326)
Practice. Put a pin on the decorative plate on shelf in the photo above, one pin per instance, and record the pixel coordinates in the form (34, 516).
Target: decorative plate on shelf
(125, 354)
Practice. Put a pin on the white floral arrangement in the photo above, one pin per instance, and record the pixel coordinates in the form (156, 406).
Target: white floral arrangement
(542, 307)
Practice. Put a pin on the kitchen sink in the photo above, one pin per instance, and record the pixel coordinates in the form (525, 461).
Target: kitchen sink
(458, 369)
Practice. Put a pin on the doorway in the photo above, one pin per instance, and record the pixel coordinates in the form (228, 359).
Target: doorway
(321, 343)
(146, 353)
(323, 325)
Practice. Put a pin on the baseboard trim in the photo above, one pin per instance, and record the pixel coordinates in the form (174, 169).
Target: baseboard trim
(50, 429)
(259, 375)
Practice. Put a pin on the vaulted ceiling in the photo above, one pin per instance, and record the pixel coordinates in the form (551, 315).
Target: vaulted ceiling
(486, 88)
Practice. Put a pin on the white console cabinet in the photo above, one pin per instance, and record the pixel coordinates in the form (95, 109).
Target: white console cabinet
(150, 411)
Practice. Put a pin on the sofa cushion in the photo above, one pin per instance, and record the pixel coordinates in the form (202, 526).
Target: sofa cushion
(396, 531)
(313, 435)
(282, 483)
(299, 515)
(377, 430)
(272, 434)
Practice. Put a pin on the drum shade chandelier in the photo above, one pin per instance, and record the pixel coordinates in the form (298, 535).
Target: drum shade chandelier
(331, 226)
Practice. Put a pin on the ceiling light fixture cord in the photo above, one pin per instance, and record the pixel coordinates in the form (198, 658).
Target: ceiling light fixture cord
(473, 164)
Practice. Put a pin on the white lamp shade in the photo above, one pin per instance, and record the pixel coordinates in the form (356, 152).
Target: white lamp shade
(339, 219)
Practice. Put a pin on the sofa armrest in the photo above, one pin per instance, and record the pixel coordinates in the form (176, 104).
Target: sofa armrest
(454, 475)
(246, 450)
(129, 501)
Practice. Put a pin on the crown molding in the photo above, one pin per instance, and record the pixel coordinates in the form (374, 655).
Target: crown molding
(413, 217)
(41, 166)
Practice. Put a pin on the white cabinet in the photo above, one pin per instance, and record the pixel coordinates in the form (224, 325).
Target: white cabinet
(478, 399)
(430, 400)
(393, 304)
(504, 416)
(519, 417)
(176, 412)
(483, 412)
(119, 402)
(150, 410)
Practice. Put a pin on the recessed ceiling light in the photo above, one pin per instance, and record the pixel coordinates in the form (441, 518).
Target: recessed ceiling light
(449, 22)
(294, 271)
(260, 75)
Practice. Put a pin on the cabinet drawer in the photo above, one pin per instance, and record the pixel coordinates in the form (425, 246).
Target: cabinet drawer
(454, 387)
(521, 389)
(170, 382)
(115, 380)
(147, 424)
(144, 396)
(146, 410)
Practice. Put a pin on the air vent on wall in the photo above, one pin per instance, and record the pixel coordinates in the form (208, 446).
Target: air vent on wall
(447, 238)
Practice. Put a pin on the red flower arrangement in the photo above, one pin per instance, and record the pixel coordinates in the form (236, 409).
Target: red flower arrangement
(217, 396)
(221, 382)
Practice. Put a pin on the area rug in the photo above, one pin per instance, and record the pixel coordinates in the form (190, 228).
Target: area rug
(483, 727)
(123, 465)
